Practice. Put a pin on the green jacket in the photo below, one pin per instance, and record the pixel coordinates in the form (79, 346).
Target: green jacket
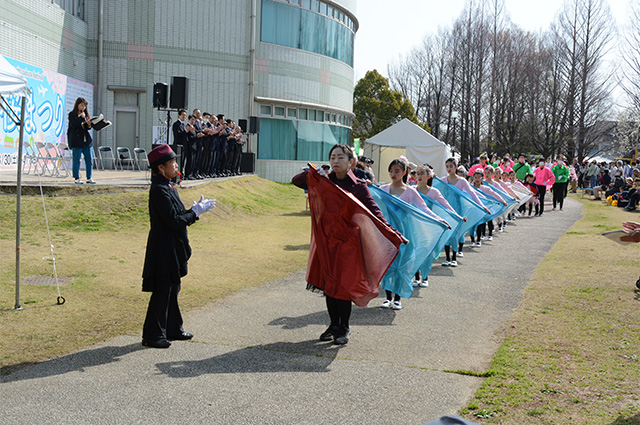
(561, 172)
(521, 170)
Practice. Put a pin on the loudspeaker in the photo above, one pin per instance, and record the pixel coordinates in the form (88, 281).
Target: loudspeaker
(160, 95)
(248, 162)
(179, 92)
(243, 125)
(254, 125)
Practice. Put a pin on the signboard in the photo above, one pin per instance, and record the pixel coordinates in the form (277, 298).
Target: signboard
(50, 101)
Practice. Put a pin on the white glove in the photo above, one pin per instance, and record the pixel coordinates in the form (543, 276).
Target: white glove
(322, 172)
(203, 205)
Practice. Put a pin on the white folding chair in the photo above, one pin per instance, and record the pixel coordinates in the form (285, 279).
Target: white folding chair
(62, 158)
(43, 157)
(124, 157)
(140, 155)
(106, 154)
(29, 157)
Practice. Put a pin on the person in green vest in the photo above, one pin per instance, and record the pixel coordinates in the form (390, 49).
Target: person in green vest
(561, 173)
(521, 168)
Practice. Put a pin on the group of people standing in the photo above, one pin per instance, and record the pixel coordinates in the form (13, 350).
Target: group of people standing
(434, 214)
(209, 145)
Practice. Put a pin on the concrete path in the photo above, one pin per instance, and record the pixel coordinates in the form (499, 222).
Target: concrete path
(256, 358)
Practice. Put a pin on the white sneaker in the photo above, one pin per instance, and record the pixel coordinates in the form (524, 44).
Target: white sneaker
(460, 254)
(454, 263)
(397, 305)
(472, 244)
(424, 283)
(415, 283)
(500, 230)
(490, 238)
(446, 263)
(482, 238)
(91, 181)
(78, 181)
(479, 244)
(386, 304)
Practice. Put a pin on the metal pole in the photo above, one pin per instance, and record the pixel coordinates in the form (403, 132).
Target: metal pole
(252, 71)
(18, 200)
(98, 88)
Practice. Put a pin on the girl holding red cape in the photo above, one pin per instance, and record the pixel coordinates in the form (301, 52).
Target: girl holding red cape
(352, 245)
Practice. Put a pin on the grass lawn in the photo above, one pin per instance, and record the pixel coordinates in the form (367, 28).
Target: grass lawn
(258, 232)
(572, 349)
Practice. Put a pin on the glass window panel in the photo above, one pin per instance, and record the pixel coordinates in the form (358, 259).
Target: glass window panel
(320, 116)
(278, 111)
(310, 146)
(302, 113)
(265, 109)
(323, 8)
(315, 5)
(292, 112)
(277, 139)
(333, 118)
(330, 11)
(306, 4)
(296, 2)
(312, 114)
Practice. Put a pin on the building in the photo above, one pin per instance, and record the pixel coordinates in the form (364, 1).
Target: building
(287, 62)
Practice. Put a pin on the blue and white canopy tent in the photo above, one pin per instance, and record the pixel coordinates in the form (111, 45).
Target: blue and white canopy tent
(12, 83)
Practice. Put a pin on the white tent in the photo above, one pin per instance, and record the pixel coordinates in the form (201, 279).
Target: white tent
(421, 147)
(12, 83)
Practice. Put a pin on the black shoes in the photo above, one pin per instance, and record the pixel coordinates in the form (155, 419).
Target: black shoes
(342, 337)
(339, 335)
(162, 343)
(329, 334)
(184, 336)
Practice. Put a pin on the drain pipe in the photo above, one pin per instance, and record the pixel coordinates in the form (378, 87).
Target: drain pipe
(252, 70)
(98, 89)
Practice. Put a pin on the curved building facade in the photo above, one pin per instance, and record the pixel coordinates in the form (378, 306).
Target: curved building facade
(287, 62)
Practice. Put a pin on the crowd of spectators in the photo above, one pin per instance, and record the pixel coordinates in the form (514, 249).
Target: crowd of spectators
(208, 145)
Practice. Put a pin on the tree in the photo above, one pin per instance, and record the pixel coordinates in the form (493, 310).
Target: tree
(631, 57)
(377, 106)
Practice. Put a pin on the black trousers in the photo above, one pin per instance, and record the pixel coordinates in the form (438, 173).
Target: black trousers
(558, 194)
(190, 158)
(339, 311)
(541, 192)
(163, 314)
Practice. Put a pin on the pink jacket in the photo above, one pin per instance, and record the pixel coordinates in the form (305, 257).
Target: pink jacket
(544, 176)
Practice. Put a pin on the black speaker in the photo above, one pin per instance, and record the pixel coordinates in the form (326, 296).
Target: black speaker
(248, 162)
(243, 125)
(179, 92)
(254, 125)
(160, 95)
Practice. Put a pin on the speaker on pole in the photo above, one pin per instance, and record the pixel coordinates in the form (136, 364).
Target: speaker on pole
(254, 125)
(243, 125)
(179, 92)
(160, 95)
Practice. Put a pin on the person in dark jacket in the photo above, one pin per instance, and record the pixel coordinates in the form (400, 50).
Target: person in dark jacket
(80, 140)
(167, 252)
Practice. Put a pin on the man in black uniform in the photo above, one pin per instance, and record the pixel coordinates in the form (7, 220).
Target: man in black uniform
(180, 138)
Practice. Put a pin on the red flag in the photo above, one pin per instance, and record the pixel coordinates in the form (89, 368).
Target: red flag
(351, 249)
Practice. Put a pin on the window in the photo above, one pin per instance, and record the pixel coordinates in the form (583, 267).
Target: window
(333, 118)
(320, 116)
(288, 25)
(312, 114)
(278, 111)
(302, 113)
(292, 113)
(265, 109)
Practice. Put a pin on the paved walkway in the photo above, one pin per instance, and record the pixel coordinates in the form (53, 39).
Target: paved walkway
(256, 359)
(126, 179)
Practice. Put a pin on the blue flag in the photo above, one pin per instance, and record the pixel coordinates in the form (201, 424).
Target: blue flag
(496, 207)
(464, 205)
(454, 221)
(423, 233)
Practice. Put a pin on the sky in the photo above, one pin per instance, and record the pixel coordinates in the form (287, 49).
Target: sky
(389, 29)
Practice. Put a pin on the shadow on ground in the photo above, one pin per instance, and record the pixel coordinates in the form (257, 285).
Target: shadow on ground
(73, 362)
(634, 420)
(275, 358)
(359, 316)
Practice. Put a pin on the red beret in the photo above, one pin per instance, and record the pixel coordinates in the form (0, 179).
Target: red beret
(160, 155)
